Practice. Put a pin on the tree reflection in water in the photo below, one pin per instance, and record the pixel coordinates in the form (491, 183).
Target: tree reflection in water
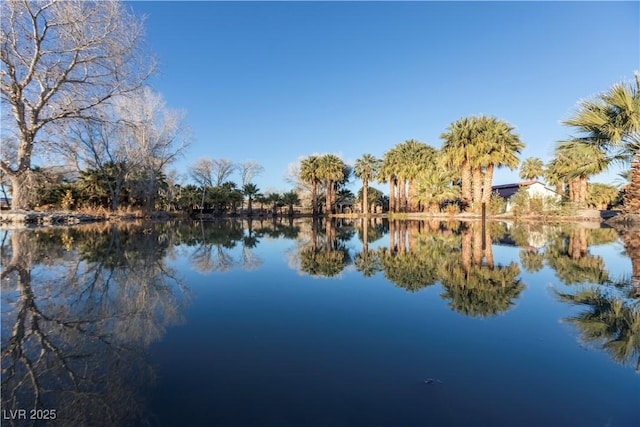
(610, 320)
(568, 254)
(80, 305)
(472, 281)
(322, 251)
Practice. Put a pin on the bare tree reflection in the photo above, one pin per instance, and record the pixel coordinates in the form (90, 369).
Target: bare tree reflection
(214, 241)
(77, 319)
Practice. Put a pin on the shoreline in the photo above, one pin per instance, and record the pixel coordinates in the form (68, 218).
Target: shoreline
(65, 218)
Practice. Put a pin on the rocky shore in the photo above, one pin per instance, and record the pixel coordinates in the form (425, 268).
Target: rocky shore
(47, 218)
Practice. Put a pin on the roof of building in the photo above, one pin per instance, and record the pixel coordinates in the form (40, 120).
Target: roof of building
(508, 190)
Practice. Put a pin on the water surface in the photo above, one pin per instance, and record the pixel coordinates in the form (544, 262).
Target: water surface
(296, 323)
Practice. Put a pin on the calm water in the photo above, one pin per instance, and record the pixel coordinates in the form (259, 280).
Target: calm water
(412, 323)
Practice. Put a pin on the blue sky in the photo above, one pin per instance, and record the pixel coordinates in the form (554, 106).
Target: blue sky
(273, 81)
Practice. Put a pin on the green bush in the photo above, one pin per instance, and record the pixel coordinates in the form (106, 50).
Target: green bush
(497, 205)
(520, 202)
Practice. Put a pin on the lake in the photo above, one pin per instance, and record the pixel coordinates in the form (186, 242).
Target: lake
(321, 323)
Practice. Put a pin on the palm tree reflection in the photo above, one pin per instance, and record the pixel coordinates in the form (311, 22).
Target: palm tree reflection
(610, 321)
(323, 253)
(472, 281)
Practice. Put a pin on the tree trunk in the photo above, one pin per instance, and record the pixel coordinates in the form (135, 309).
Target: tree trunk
(465, 192)
(573, 191)
(631, 203)
(327, 198)
(314, 198)
(365, 200)
(403, 195)
(411, 195)
(488, 183)
(477, 188)
(392, 198)
(20, 192)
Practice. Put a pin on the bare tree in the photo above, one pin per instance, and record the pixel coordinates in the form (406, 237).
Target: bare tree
(59, 60)
(130, 140)
(157, 135)
(249, 170)
(97, 144)
(222, 169)
(202, 172)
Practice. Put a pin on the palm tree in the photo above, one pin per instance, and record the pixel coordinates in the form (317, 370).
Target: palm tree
(310, 173)
(274, 199)
(434, 187)
(415, 158)
(600, 196)
(554, 176)
(576, 161)
(477, 145)
(387, 173)
(250, 190)
(611, 122)
(290, 198)
(531, 168)
(458, 151)
(366, 168)
(331, 170)
(499, 147)
(401, 166)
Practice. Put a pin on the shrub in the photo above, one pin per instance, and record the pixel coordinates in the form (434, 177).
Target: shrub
(497, 205)
(520, 202)
(67, 200)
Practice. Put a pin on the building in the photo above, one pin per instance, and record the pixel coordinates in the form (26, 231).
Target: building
(535, 189)
(5, 203)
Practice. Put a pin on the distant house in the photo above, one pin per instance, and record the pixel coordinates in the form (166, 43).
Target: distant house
(533, 188)
(5, 203)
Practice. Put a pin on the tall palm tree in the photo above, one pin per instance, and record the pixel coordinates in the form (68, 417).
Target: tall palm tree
(310, 173)
(388, 171)
(250, 190)
(477, 145)
(531, 168)
(499, 147)
(458, 150)
(554, 176)
(611, 121)
(331, 170)
(415, 158)
(366, 168)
